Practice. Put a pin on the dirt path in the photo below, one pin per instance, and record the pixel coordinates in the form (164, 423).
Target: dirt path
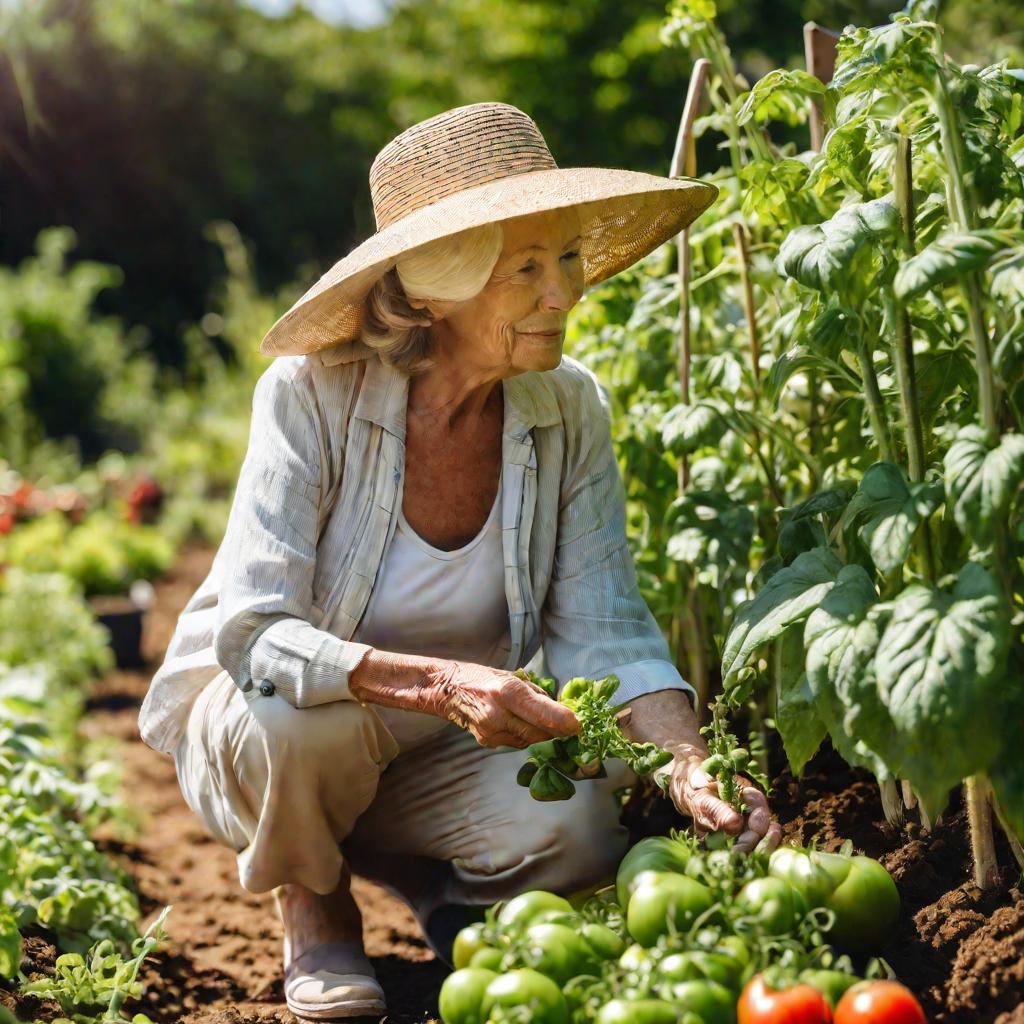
(223, 963)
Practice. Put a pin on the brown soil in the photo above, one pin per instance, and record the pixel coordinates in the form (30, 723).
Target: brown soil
(960, 951)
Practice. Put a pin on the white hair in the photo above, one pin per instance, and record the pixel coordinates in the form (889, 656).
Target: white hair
(450, 270)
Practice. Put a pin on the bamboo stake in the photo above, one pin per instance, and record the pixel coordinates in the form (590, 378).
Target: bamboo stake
(690, 623)
(820, 58)
(684, 162)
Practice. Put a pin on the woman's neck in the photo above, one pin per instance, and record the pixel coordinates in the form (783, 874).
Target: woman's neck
(452, 390)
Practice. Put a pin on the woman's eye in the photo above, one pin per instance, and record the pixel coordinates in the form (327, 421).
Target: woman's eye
(530, 266)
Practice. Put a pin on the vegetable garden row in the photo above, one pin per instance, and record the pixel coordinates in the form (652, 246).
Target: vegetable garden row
(818, 405)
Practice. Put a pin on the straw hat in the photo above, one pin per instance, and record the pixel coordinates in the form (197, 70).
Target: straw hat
(474, 165)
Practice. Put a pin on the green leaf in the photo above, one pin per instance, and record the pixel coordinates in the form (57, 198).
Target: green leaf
(10, 944)
(949, 256)
(782, 94)
(685, 428)
(769, 187)
(822, 256)
(710, 529)
(796, 718)
(981, 481)
(1007, 771)
(799, 535)
(893, 511)
(789, 596)
(940, 666)
(841, 637)
(790, 363)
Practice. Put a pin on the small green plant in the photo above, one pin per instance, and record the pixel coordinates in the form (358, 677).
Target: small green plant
(554, 764)
(101, 980)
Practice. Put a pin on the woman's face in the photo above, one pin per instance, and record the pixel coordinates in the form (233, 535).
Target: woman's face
(517, 322)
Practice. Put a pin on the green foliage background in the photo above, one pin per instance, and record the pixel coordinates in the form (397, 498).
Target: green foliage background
(138, 124)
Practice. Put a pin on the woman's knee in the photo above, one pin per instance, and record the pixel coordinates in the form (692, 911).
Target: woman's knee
(568, 846)
(340, 730)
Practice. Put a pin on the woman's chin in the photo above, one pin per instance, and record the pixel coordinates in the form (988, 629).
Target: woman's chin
(538, 353)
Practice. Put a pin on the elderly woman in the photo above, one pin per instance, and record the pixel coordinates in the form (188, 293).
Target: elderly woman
(429, 499)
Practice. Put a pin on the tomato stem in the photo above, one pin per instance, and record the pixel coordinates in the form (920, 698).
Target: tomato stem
(983, 847)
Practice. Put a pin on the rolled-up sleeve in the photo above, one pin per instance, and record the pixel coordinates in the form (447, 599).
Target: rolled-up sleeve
(595, 621)
(264, 635)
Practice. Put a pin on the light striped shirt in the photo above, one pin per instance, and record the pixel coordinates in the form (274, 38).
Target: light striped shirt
(317, 504)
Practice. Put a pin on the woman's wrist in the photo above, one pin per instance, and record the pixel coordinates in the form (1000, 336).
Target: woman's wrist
(404, 681)
(666, 717)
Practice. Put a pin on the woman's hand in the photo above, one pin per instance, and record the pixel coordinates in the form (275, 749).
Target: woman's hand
(695, 793)
(499, 708)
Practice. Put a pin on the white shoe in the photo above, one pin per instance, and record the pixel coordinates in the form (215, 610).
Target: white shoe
(333, 981)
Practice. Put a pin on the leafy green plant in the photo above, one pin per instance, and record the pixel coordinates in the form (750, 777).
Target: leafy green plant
(840, 493)
(102, 979)
(553, 764)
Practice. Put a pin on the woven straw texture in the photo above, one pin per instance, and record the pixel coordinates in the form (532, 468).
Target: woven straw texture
(474, 165)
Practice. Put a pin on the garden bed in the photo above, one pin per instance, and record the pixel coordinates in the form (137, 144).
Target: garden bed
(960, 951)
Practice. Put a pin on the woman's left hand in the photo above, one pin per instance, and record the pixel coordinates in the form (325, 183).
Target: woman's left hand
(695, 793)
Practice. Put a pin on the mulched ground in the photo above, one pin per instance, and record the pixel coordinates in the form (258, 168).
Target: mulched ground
(961, 952)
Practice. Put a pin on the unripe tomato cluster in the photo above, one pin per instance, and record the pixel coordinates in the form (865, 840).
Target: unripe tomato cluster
(689, 935)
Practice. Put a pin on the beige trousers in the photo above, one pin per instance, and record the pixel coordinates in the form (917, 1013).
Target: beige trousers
(284, 787)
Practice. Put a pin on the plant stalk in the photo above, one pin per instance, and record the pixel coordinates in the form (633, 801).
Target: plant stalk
(903, 348)
(875, 402)
(983, 848)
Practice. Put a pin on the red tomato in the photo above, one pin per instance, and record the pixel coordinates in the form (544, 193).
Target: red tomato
(801, 1004)
(879, 1002)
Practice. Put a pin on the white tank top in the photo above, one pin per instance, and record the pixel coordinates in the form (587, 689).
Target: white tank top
(442, 604)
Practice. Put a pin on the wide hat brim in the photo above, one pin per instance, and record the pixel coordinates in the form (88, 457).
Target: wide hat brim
(624, 216)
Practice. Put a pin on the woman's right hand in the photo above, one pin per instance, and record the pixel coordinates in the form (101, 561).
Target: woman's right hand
(499, 708)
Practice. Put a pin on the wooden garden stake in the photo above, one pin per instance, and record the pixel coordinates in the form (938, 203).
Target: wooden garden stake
(684, 162)
(690, 623)
(820, 57)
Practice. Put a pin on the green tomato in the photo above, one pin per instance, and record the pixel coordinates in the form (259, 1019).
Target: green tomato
(664, 902)
(488, 957)
(462, 995)
(770, 902)
(540, 996)
(804, 871)
(637, 1011)
(658, 853)
(606, 944)
(469, 940)
(711, 1002)
(524, 909)
(866, 905)
(733, 947)
(831, 984)
(700, 965)
(635, 958)
(557, 952)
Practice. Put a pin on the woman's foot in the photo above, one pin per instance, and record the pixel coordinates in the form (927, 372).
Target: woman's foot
(311, 919)
(327, 975)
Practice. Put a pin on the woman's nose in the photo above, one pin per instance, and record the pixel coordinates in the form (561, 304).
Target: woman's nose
(559, 291)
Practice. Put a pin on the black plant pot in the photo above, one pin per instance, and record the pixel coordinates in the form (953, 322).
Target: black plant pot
(123, 618)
